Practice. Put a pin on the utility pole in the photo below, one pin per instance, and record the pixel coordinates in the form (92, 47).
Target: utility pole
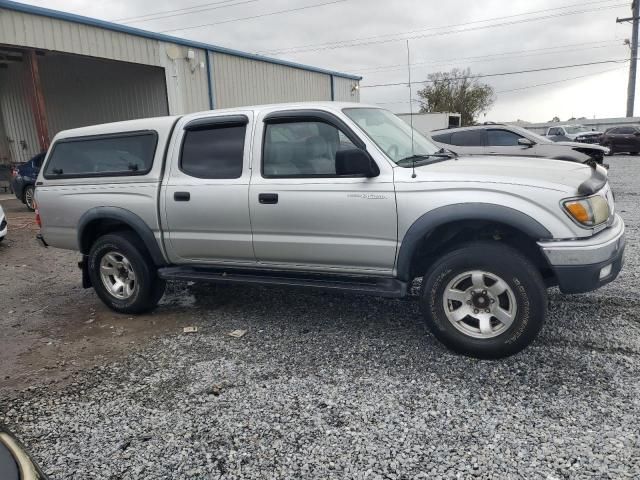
(631, 88)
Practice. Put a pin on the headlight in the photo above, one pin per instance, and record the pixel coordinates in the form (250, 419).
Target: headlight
(590, 211)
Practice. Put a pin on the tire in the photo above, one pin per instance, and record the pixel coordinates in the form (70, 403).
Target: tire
(610, 147)
(523, 302)
(28, 198)
(123, 274)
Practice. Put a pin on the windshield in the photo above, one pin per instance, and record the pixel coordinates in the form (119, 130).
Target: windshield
(576, 129)
(390, 133)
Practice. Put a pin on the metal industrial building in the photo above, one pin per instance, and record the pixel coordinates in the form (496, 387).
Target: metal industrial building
(60, 71)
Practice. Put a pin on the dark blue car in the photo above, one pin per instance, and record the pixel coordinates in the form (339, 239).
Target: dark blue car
(23, 180)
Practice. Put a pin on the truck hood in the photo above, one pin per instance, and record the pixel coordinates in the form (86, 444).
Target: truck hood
(582, 145)
(530, 171)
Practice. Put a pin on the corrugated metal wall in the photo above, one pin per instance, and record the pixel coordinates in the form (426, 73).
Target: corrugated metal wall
(241, 81)
(4, 144)
(81, 91)
(187, 89)
(116, 94)
(23, 29)
(186, 79)
(16, 114)
(343, 90)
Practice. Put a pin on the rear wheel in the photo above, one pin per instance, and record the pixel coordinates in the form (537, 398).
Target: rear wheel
(484, 300)
(123, 275)
(28, 197)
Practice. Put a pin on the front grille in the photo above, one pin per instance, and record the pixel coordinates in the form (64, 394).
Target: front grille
(595, 139)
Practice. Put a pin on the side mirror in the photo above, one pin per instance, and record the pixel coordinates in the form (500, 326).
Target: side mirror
(525, 142)
(356, 162)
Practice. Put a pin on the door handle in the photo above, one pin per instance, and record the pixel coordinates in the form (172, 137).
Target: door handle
(268, 198)
(182, 196)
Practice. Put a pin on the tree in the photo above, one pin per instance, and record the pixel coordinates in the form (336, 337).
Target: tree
(555, 119)
(457, 91)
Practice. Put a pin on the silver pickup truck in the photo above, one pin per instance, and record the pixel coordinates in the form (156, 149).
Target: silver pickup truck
(330, 195)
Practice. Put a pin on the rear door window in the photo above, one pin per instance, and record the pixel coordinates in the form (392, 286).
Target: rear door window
(469, 138)
(626, 130)
(214, 151)
(103, 155)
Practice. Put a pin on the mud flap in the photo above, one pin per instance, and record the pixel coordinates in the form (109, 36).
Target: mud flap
(84, 267)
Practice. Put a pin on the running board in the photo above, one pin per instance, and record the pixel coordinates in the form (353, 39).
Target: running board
(378, 286)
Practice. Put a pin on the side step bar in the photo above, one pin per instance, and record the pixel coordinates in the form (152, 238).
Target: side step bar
(378, 286)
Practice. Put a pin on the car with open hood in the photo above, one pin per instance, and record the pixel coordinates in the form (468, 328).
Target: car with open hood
(514, 141)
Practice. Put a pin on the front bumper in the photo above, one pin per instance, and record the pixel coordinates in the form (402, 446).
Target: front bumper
(587, 264)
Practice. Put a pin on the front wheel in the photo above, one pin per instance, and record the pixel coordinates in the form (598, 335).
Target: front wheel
(485, 300)
(610, 147)
(123, 275)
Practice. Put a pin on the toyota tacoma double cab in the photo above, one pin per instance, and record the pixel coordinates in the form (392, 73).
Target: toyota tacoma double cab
(337, 196)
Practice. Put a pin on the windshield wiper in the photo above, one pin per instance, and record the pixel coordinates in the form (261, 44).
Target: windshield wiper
(415, 159)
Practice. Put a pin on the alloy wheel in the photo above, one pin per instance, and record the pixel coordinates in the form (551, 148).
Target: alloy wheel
(479, 304)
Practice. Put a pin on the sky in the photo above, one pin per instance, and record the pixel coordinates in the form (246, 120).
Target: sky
(369, 38)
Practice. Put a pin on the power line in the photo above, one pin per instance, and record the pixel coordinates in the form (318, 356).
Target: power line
(413, 100)
(560, 67)
(126, 19)
(178, 13)
(379, 39)
(490, 58)
(498, 54)
(437, 27)
(559, 81)
(253, 16)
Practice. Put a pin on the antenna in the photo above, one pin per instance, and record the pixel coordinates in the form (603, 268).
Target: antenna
(413, 152)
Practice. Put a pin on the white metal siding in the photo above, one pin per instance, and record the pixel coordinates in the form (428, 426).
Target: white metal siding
(23, 29)
(343, 90)
(16, 114)
(81, 91)
(187, 90)
(240, 81)
(187, 82)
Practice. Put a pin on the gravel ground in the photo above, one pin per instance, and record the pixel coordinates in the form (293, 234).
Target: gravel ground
(338, 386)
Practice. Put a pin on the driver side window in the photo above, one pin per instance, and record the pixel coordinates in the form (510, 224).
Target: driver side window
(502, 138)
(302, 149)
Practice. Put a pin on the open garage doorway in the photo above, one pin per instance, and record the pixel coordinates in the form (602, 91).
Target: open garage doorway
(44, 92)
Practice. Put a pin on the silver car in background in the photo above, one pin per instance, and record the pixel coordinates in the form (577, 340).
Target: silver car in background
(499, 139)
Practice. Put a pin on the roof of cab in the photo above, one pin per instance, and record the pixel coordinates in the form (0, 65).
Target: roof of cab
(166, 123)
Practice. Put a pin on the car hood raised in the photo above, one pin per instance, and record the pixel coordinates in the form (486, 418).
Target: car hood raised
(581, 145)
(531, 171)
